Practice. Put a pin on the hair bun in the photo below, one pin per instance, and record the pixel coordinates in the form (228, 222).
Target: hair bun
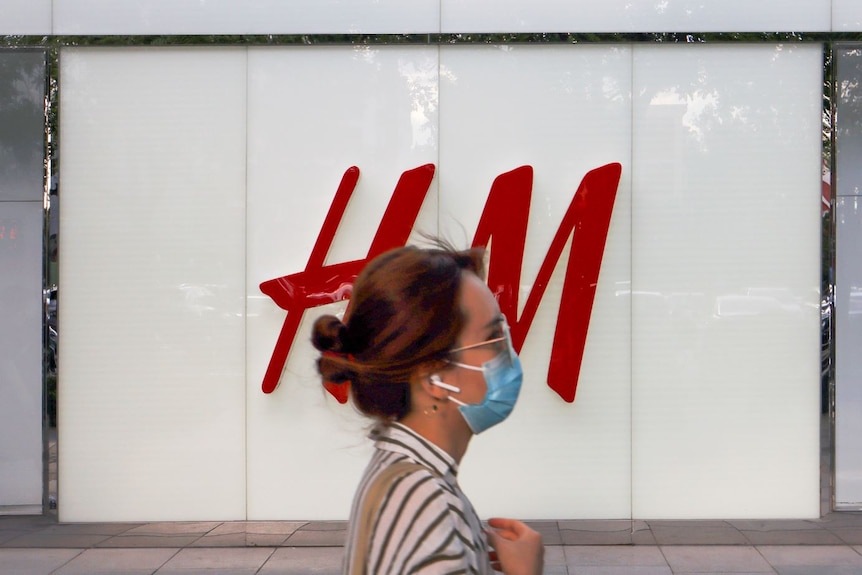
(328, 334)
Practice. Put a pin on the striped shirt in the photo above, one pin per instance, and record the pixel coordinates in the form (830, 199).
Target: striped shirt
(425, 524)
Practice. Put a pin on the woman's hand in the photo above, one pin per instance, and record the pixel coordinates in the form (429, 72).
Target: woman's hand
(518, 550)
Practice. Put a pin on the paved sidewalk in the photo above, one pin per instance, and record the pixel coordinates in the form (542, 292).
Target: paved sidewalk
(831, 545)
(567, 559)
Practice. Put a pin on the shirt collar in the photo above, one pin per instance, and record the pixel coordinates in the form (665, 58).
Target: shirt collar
(401, 439)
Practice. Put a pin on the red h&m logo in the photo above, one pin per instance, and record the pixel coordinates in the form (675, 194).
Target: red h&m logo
(504, 220)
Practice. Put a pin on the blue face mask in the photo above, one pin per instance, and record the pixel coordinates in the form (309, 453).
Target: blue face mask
(503, 376)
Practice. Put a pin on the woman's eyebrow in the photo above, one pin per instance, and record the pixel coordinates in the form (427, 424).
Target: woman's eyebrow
(495, 321)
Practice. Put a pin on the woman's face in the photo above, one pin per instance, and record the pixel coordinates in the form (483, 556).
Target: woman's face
(484, 322)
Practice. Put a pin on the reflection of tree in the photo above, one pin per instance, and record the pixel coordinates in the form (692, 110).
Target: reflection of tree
(22, 96)
(423, 87)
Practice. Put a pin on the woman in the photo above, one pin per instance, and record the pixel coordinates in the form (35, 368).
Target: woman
(427, 353)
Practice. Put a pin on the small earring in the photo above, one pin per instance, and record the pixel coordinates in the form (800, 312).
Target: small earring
(433, 410)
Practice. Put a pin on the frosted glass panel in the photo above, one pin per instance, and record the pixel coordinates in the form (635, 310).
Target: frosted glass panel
(22, 125)
(848, 342)
(725, 281)
(243, 17)
(25, 17)
(848, 282)
(628, 16)
(22, 133)
(564, 110)
(152, 408)
(21, 357)
(313, 113)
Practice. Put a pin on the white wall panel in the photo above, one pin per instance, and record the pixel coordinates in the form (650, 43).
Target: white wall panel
(152, 397)
(725, 237)
(313, 113)
(563, 110)
(242, 17)
(846, 16)
(190, 176)
(25, 17)
(628, 16)
(423, 16)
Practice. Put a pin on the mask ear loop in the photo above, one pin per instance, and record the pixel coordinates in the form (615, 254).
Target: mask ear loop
(435, 380)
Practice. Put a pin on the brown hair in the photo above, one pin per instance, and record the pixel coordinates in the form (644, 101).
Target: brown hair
(404, 312)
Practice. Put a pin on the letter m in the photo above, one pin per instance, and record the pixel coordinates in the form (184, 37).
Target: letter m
(503, 224)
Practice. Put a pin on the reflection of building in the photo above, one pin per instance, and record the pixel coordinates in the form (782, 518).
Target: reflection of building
(848, 278)
(22, 80)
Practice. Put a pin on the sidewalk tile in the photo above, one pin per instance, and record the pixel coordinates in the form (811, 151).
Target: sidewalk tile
(117, 561)
(90, 528)
(304, 561)
(848, 535)
(696, 533)
(821, 570)
(613, 556)
(549, 530)
(249, 534)
(72, 535)
(840, 519)
(324, 526)
(232, 560)
(555, 561)
(303, 538)
(715, 559)
(554, 555)
(259, 527)
(813, 557)
(36, 561)
(610, 532)
(55, 540)
(9, 535)
(774, 524)
(240, 540)
(785, 532)
(642, 534)
(175, 528)
(129, 541)
(25, 522)
(618, 570)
